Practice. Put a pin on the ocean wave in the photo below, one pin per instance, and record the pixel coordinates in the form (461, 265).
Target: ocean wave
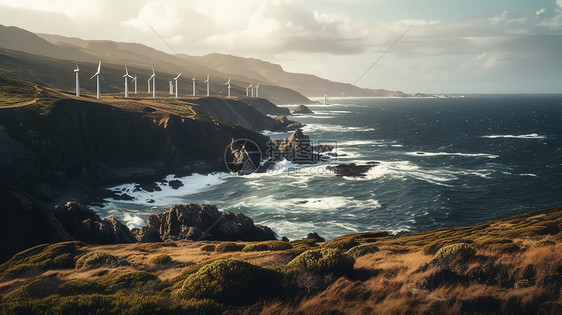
(430, 154)
(526, 136)
(166, 196)
(334, 128)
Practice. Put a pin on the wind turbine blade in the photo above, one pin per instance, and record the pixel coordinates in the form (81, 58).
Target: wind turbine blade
(177, 76)
(153, 73)
(97, 73)
(99, 67)
(101, 76)
(126, 71)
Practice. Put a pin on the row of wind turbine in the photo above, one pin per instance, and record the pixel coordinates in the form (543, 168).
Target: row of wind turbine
(151, 82)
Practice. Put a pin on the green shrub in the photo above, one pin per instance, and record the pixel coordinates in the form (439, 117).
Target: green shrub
(162, 259)
(40, 258)
(543, 243)
(229, 247)
(80, 286)
(461, 250)
(208, 248)
(324, 261)
(361, 250)
(269, 245)
(231, 281)
(343, 244)
(96, 259)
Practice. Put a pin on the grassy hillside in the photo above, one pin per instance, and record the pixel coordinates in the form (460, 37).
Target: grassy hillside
(512, 265)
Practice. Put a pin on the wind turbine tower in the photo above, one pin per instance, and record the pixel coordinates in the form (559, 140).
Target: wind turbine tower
(135, 80)
(207, 81)
(97, 75)
(228, 87)
(193, 86)
(77, 72)
(127, 76)
(171, 87)
(176, 81)
(153, 78)
(251, 87)
(258, 90)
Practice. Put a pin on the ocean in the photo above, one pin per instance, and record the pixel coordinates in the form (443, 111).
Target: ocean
(444, 162)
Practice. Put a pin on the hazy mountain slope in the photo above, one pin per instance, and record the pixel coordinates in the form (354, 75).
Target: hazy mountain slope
(309, 85)
(15, 38)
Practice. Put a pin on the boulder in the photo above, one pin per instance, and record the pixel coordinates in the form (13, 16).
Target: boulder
(302, 109)
(315, 236)
(201, 222)
(85, 225)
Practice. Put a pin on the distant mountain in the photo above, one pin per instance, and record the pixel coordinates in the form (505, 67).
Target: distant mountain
(48, 59)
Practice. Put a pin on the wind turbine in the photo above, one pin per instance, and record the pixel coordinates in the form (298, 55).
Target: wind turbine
(258, 90)
(153, 78)
(77, 72)
(176, 81)
(149, 84)
(207, 81)
(228, 86)
(98, 75)
(193, 86)
(127, 76)
(171, 87)
(251, 87)
(135, 80)
(247, 91)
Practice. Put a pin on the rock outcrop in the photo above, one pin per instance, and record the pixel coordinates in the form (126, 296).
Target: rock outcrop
(302, 109)
(289, 124)
(201, 222)
(243, 157)
(85, 225)
(297, 148)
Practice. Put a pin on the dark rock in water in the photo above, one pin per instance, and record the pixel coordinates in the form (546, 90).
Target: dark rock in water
(201, 222)
(302, 109)
(147, 186)
(123, 197)
(175, 184)
(352, 169)
(316, 237)
(85, 225)
(284, 239)
(297, 148)
(321, 148)
(150, 201)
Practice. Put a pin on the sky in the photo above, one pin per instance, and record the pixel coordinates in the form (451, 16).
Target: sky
(477, 46)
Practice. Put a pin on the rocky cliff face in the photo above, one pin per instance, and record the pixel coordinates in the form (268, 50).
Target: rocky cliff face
(85, 225)
(201, 222)
(251, 117)
(298, 148)
(86, 142)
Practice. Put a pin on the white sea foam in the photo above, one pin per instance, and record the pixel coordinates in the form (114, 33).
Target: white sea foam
(334, 128)
(526, 136)
(167, 195)
(430, 154)
(132, 220)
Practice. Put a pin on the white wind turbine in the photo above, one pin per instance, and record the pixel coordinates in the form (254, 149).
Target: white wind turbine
(127, 76)
(135, 80)
(149, 84)
(258, 90)
(228, 86)
(176, 81)
(193, 86)
(171, 86)
(153, 78)
(207, 81)
(98, 76)
(251, 87)
(77, 72)
(248, 91)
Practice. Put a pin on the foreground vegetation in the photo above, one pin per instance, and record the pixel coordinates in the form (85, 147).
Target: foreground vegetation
(512, 265)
